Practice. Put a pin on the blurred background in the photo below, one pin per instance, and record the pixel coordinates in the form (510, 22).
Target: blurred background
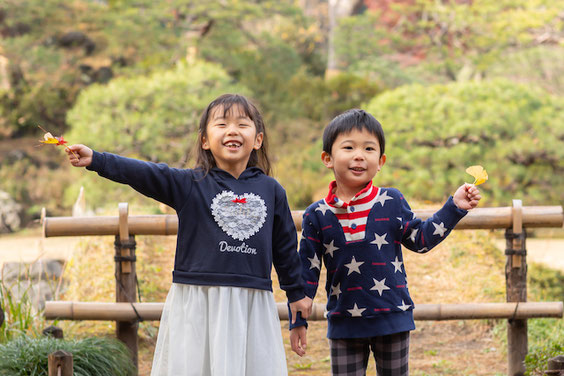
(454, 83)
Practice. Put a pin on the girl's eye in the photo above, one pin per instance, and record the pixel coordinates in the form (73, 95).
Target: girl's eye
(370, 148)
(347, 147)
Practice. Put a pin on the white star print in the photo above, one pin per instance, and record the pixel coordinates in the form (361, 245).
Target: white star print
(379, 240)
(397, 265)
(413, 234)
(336, 290)
(380, 286)
(330, 248)
(354, 266)
(323, 207)
(424, 249)
(315, 263)
(382, 198)
(356, 312)
(404, 306)
(439, 229)
(401, 222)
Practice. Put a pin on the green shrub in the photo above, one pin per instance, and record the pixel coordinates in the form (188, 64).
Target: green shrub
(434, 133)
(25, 356)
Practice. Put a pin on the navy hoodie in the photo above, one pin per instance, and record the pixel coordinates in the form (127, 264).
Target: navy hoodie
(230, 231)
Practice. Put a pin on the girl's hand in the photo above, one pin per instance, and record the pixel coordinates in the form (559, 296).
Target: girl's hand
(304, 306)
(467, 196)
(298, 340)
(79, 155)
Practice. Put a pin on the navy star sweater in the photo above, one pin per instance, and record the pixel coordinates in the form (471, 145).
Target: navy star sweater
(230, 231)
(360, 245)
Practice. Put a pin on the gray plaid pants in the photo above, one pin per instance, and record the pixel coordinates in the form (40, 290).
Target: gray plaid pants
(350, 356)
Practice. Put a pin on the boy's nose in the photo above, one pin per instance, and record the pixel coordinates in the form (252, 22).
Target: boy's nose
(359, 155)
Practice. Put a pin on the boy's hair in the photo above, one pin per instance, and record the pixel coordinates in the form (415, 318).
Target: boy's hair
(349, 120)
(259, 158)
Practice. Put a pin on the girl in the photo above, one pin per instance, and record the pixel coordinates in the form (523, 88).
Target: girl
(234, 222)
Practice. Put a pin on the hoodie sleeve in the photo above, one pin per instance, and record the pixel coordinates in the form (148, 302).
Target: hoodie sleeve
(311, 255)
(156, 180)
(285, 249)
(421, 236)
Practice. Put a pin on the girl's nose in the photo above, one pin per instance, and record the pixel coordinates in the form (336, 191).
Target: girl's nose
(232, 129)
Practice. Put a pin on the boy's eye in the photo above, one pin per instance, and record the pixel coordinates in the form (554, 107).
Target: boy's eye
(347, 147)
(370, 148)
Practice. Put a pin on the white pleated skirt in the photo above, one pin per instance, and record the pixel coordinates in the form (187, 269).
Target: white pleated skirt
(219, 331)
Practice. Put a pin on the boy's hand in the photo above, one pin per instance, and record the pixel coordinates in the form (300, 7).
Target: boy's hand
(303, 305)
(467, 196)
(81, 155)
(298, 340)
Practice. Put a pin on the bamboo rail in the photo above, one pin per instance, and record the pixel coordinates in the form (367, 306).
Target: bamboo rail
(479, 218)
(152, 311)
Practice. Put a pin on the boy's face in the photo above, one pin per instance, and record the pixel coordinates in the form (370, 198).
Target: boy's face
(355, 159)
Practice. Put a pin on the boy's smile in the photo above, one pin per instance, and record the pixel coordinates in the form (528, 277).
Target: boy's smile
(355, 159)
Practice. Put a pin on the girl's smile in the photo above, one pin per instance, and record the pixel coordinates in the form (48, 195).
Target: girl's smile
(231, 137)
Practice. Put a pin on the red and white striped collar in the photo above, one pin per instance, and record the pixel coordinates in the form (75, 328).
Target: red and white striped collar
(366, 194)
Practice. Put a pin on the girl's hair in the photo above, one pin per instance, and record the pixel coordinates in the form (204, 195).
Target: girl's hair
(258, 158)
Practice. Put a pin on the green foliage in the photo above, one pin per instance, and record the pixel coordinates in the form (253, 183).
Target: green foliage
(546, 336)
(151, 117)
(453, 39)
(25, 356)
(434, 133)
(20, 317)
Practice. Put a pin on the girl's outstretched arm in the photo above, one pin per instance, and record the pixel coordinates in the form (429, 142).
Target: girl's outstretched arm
(79, 155)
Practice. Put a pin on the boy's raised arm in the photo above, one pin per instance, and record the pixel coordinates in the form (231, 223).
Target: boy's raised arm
(421, 236)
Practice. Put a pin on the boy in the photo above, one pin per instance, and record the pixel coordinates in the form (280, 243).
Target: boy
(357, 231)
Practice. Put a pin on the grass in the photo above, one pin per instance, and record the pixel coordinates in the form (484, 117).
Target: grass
(26, 356)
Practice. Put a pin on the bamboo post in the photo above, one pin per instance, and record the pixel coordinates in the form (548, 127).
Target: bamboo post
(64, 310)
(516, 291)
(60, 363)
(126, 278)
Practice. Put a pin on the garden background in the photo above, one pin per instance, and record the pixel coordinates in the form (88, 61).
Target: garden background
(454, 83)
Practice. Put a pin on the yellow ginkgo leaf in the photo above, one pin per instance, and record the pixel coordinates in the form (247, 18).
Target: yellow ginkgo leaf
(49, 139)
(480, 175)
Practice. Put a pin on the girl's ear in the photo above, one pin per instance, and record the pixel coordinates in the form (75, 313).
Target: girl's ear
(327, 159)
(258, 140)
(205, 144)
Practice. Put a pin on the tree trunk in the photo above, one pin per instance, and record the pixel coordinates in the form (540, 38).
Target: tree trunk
(338, 9)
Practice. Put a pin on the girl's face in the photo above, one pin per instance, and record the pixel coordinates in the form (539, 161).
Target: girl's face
(231, 137)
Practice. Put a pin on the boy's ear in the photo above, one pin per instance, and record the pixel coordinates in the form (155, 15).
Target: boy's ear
(382, 161)
(327, 159)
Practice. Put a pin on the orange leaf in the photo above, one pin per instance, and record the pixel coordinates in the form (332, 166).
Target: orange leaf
(480, 175)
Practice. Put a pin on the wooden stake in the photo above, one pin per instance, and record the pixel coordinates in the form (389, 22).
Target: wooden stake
(516, 291)
(60, 363)
(126, 282)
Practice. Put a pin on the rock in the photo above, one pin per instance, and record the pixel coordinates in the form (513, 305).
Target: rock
(35, 283)
(10, 219)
